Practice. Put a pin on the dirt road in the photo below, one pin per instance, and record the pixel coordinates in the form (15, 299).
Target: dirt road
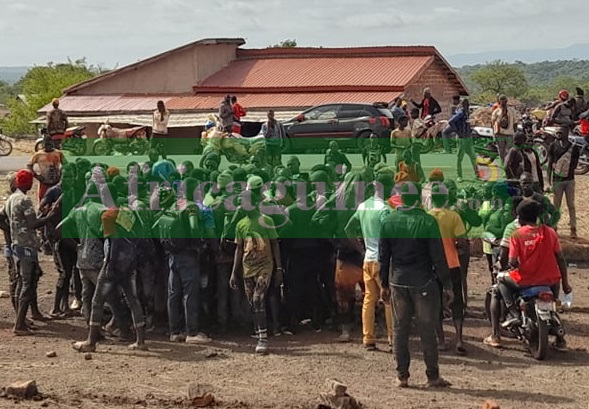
(294, 374)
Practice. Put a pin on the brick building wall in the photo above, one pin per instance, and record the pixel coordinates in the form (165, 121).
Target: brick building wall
(442, 87)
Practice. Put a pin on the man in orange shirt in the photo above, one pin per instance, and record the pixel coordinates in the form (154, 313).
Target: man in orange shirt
(452, 229)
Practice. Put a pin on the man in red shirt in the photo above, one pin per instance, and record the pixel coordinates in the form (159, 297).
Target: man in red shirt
(238, 110)
(536, 258)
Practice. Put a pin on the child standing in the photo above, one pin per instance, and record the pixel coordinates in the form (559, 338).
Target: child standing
(337, 157)
(401, 139)
(372, 152)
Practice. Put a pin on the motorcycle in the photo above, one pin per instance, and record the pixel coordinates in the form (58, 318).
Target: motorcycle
(5, 144)
(430, 133)
(130, 141)
(549, 135)
(583, 165)
(483, 138)
(72, 140)
(236, 148)
(539, 319)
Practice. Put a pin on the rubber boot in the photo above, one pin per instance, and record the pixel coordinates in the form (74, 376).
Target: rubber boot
(56, 311)
(90, 344)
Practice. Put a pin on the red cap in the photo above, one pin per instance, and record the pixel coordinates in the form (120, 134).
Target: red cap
(24, 179)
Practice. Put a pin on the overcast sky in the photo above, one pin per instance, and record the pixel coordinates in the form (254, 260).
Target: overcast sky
(119, 32)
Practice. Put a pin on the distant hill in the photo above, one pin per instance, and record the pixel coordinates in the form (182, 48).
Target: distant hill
(574, 52)
(543, 73)
(12, 74)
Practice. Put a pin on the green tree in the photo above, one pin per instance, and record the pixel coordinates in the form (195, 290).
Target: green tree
(285, 44)
(40, 85)
(499, 77)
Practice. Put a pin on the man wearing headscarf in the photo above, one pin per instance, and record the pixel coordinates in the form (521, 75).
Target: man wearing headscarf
(428, 105)
(23, 222)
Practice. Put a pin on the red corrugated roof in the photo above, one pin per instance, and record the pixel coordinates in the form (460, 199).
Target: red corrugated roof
(108, 103)
(309, 73)
(125, 104)
(279, 100)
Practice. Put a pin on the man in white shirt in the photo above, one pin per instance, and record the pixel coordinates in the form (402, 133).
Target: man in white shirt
(366, 223)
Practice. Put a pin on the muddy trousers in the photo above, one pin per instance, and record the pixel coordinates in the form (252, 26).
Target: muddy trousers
(110, 287)
(15, 282)
(256, 288)
(29, 271)
(113, 299)
(372, 285)
(65, 259)
(424, 303)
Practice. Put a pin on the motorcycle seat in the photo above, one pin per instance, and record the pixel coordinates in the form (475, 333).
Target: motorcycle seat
(532, 292)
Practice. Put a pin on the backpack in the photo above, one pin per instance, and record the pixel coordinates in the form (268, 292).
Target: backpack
(172, 230)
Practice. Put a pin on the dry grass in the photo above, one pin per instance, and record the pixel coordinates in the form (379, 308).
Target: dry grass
(23, 147)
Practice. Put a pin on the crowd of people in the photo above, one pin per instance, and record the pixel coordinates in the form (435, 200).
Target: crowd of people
(280, 247)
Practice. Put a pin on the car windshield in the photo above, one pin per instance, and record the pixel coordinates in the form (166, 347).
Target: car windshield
(385, 112)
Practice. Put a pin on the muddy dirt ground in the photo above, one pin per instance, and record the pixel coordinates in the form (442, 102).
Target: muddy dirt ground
(294, 373)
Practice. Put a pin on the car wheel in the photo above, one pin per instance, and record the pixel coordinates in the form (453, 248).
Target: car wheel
(286, 145)
(362, 140)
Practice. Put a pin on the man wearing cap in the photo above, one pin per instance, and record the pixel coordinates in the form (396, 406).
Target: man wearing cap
(57, 121)
(257, 258)
(23, 223)
(365, 223)
(411, 243)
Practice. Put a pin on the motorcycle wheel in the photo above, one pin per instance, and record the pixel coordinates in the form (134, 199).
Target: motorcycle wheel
(5, 147)
(583, 169)
(101, 148)
(428, 145)
(538, 341)
(138, 146)
(76, 146)
(38, 146)
(542, 151)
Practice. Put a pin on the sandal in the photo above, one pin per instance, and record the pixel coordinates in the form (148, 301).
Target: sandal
(438, 383)
(492, 341)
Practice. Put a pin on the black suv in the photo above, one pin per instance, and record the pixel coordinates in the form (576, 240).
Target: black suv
(348, 124)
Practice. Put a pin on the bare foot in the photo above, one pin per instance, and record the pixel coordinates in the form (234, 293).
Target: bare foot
(22, 332)
(138, 347)
(84, 346)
